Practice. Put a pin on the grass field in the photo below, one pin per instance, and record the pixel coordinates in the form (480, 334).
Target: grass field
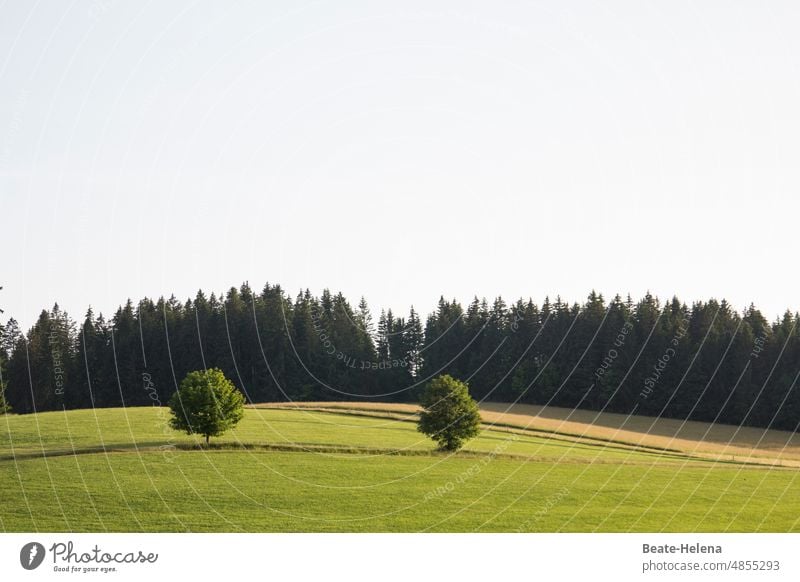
(357, 467)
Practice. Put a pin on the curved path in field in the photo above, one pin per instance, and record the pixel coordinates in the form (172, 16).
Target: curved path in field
(699, 439)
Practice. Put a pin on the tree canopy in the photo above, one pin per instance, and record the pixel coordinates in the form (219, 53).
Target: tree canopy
(207, 403)
(449, 414)
(701, 361)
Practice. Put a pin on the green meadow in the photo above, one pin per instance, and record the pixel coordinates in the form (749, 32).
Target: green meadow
(284, 470)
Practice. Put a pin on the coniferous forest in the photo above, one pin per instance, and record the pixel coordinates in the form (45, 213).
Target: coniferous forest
(706, 361)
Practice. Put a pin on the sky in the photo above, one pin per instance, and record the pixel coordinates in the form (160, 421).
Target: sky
(400, 151)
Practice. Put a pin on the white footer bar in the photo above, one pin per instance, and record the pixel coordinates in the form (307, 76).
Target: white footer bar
(388, 557)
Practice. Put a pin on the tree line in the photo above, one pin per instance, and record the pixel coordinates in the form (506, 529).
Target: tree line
(704, 362)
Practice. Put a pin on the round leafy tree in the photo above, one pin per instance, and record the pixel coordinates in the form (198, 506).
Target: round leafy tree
(450, 416)
(207, 403)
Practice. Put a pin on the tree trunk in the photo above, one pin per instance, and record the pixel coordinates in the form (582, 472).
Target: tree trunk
(207, 436)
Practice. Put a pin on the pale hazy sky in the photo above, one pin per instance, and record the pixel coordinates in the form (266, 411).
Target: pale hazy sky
(398, 150)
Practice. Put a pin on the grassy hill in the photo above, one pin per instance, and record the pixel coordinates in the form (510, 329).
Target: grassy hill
(363, 467)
